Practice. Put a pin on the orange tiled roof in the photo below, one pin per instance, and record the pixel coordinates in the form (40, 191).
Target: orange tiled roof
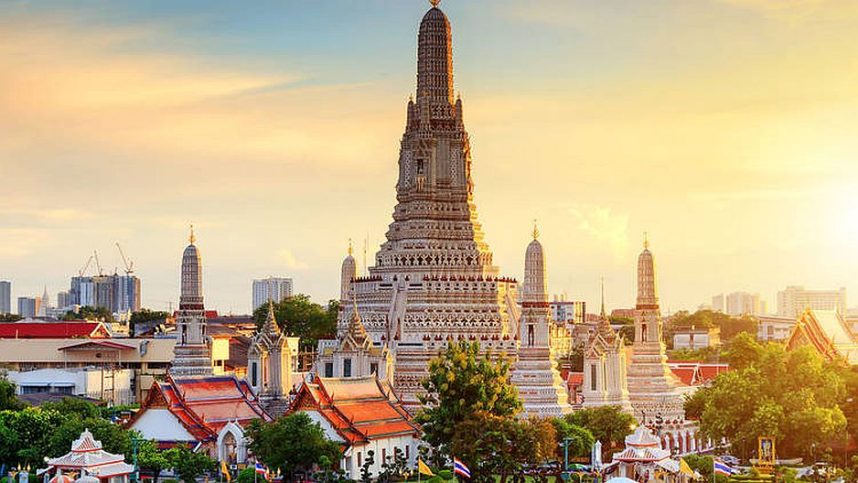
(358, 409)
(203, 405)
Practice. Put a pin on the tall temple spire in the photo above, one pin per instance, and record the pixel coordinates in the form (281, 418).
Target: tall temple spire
(535, 289)
(270, 326)
(647, 283)
(435, 57)
(603, 298)
(535, 230)
(192, 356)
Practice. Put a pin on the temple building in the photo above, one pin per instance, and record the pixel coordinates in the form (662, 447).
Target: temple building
(355, 355)
(540, 387)
(433, 280)
(192, 350)
(827, 333)
(271, 362)
(362, 414)
(605, 379)
(88, 460)
(192, 405)
(651, 383)
(654, 391)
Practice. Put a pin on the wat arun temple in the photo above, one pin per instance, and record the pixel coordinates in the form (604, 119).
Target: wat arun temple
(433, 282)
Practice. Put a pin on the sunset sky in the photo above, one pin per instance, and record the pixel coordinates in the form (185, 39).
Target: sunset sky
(726, 129)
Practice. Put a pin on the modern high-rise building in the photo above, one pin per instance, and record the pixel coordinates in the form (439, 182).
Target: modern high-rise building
(63, 300)
(739, 303)
(117, 293)
(793, 300)
(5, 297)
(271, 288)
(28, 307)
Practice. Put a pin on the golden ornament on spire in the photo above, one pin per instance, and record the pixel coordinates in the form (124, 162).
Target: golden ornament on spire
(646, 241)
(434, 3)
(350, 247)
(192, 238)
(535, 230)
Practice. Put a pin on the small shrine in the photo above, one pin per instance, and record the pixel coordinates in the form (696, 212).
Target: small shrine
(91, 463)
(644, 460)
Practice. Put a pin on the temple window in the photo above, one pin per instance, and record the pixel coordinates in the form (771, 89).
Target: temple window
(329, 369)
(373, 368)
(592, 377)
(643, 333)
(347, 368)
(254, 375)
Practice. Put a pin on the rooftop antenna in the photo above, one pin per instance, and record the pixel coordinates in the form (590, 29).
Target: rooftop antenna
(365, 243)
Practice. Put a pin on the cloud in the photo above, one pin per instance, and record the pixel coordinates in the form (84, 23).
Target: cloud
(605, 226)
(290, 261)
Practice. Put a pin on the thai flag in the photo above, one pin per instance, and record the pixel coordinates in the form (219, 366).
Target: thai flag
(722, 468)
(261, 469)
(459, 468)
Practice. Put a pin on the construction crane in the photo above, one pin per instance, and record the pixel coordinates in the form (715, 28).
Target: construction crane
(97, 263)
(129, 264)
(83, 270)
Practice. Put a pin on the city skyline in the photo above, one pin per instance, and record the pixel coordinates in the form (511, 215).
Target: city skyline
(732, 161)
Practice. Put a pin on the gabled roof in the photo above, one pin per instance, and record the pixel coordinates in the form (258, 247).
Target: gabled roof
(97, 344)
(827, 333)
(359, 409)
(53, 330)
(86, 453)
(204, 404)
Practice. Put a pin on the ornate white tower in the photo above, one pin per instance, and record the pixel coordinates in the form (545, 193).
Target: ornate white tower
(433, 280)
(540, 386)
(605, 366)
(347, 275)
(652, 386)
(269, 361)
(191, 355)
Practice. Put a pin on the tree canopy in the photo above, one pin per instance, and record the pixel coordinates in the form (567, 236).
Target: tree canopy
(10, 317)
(793, 396)
(706, 319)
(608, 424)
(89, 312)
(299, 316)
(462, 383)
(291, 443)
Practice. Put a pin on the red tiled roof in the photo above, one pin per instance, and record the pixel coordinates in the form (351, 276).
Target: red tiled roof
(205, 404)
(358, 409)
(685, 374)
(52, 330)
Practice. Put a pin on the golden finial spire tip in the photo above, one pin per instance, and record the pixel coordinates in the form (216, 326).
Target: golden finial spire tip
(434, 2)
(192, 238)
(535, 230)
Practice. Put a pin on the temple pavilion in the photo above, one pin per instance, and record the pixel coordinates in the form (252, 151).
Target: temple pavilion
(90, 461)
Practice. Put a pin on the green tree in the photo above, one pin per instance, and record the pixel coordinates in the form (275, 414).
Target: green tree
(24, 435)
(792, 396)
(502, 445)
(8, 399)
(247, 475)
(462, 384)
(146, 315)
(89, 312)
(291, 443)
(151, 459)
(580, 439)
(299, 316)
(113, 438)
(188, 464)
(73, 406)
(608, 424)
(10, 317)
